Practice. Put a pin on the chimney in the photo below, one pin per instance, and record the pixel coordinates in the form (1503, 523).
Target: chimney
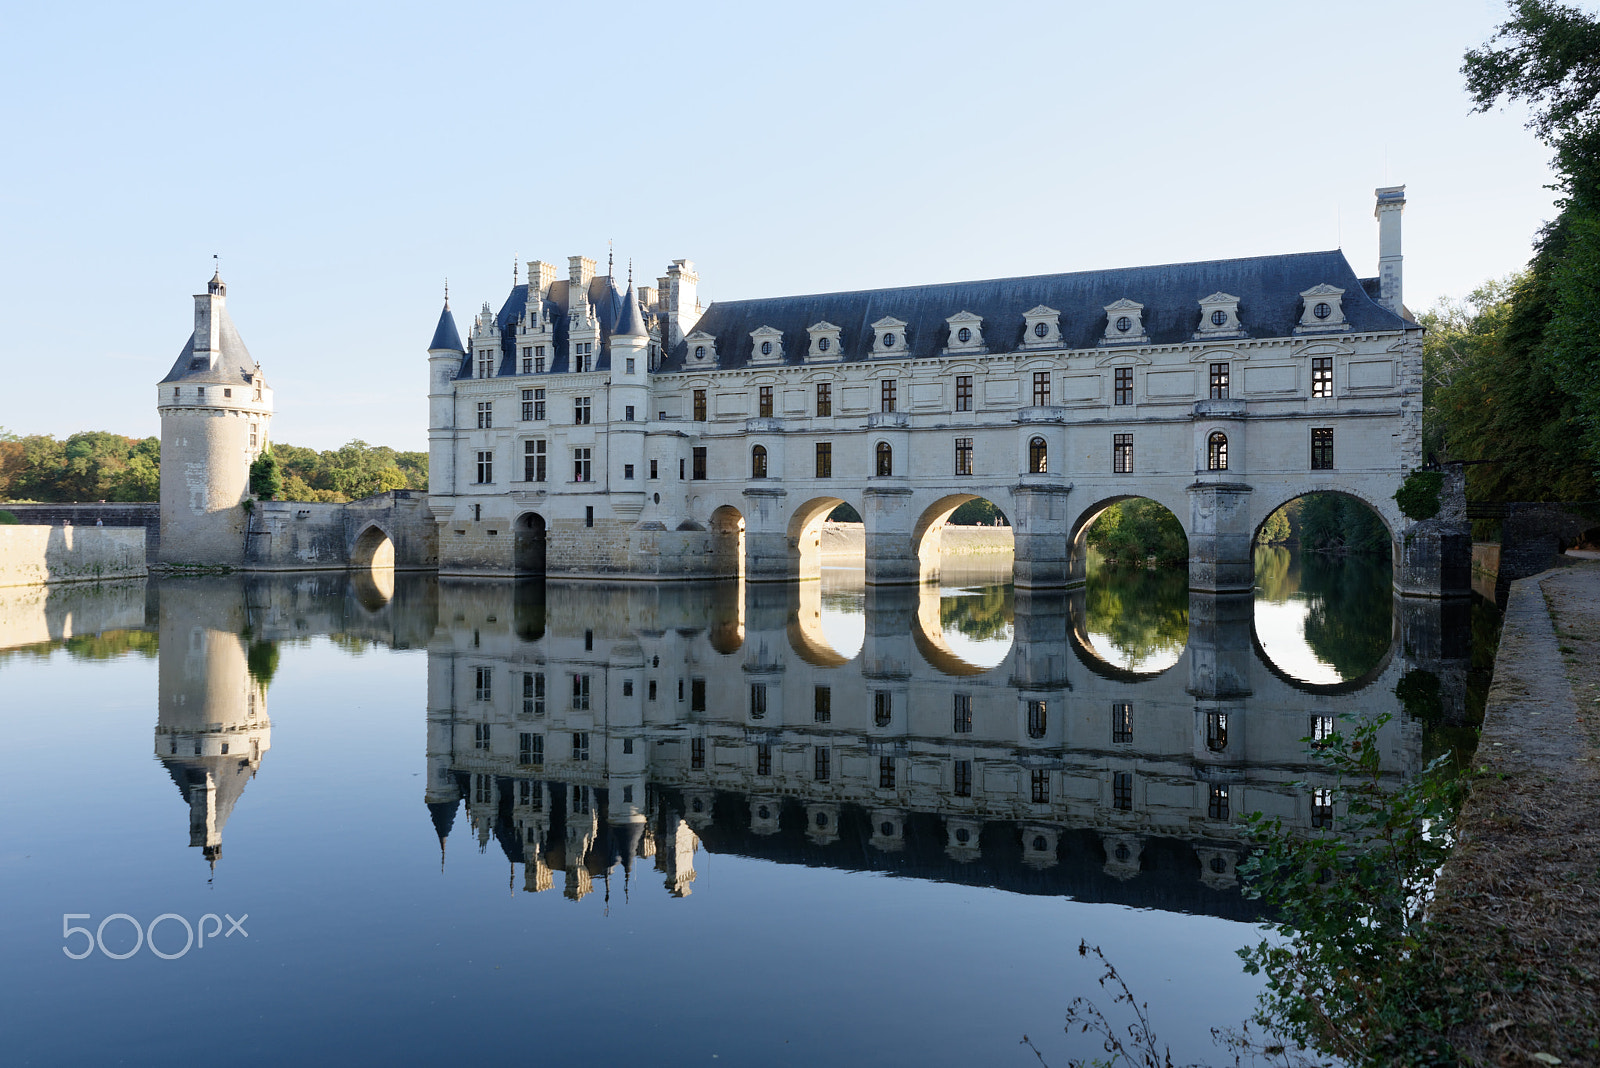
(540, 276)
(683, 306)
(580, 269)
(208, 322)
(1391, 202)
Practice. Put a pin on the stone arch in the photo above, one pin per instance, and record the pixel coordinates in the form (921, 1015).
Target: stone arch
(529, 537)
(807, 638)
(1387, 512)
(928, 636)
(805, 534)
(373, 548)
(726, 547)
(927, 536)
(1078, 535)
(1348, 686)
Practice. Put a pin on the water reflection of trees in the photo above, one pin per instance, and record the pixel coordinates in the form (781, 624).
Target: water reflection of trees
(977, 614)
(1351, 601)
(1139, 612)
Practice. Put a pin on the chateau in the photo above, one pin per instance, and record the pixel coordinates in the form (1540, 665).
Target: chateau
(585, 428)
(591, 429)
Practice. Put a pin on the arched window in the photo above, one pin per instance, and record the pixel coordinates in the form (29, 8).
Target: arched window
(1038, 457)
(758, 462)
(885, 459)
(1217, 451)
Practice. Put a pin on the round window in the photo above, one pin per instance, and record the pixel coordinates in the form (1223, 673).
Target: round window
(1123, 852)
(1322, 311)
(1124, 324)
(823, 343)
(1041, 329)
(1218, 865)
(963, 835)
(766, 348)
(1039, 843)
(963, 335)
(1219, 318)
(886, 829)
(822, 819)
(888, 341)
(764, 812)
(699, 352)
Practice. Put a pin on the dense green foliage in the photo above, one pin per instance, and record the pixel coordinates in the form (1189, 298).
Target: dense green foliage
(1418, 495)
(1350, 604)
(980, 614)
(266, 477)
(1343, 975)
(1276, 529)
(978, 513)
(99, 466)
(1332, 522)
(1130, 532)
(1515, 374)
(7, 519)
(1141, 613)
(89, 466)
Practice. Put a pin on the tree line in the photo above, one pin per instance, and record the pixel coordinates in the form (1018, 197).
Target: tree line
(97, 465)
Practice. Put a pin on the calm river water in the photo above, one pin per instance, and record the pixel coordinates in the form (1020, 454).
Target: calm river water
(400, 819)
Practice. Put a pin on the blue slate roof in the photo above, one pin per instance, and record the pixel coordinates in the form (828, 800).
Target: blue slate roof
(1268, 288)
(630, 321)
(445, 335)
(236, 366)
(609, 305)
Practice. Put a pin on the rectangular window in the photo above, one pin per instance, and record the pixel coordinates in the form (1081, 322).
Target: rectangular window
(581, 353)
(700, 463)
(582, 465)
(627, 414)
(1217, 803)
(699, 405)
(763, 758)
(886, 773)
(1122, 454)
(1219, 381)
(963, 778)
(822, 704)
(963, 393)
(485, 467)
(1037, 719)
(527, 405)
(580, 692)
(533, 460)
(483, 789)
(963, 456)
(881, 708)
(254, 430)
(824, 459)
(680, 470)
(1322, 448)
(530, 748)
(697, 695)
(764, 401)
(627, 472)
(758, 700)
(1122, 790)
(1041, 388)
(527, 359)
(485, 363)
(580, 410)
(887, 389)
(530, 793)
(822, 764)
(538, 360)
(1122, 721)
(1321, 729)
(961, 721)
(588, 515)
(1123, 386)
(538, 404)
(480, 736)
(1216, 731)
(1322, 376)
(533, 693)
(654, 470)
(1322, 808)
(630, 363)
(824, 398)
(483, 684)
(697, 753)
(1041, 787)
(580, 745)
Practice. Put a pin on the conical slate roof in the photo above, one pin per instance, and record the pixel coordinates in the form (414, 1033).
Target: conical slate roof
(445, 335)
(630, 323)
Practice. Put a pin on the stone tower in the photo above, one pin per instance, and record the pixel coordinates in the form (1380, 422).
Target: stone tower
(215, 411)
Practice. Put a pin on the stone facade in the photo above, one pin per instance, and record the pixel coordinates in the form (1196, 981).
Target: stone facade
(34, 555)
(586, 430)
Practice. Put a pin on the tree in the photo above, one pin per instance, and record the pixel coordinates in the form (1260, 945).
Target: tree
(1130, 532)
(266, 478)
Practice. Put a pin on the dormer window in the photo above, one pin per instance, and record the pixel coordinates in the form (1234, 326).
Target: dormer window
(1323, 310)
(888, 336)
(966, 333)
(766, 345)
(1125, 323)
(1041, 327)
(702, 348)
(1219, 316)
(825, 342)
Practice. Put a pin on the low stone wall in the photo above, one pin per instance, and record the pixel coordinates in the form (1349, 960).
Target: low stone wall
(306, 536)
(849, 539)
(34, 555)
(145, 516)
(41, 615)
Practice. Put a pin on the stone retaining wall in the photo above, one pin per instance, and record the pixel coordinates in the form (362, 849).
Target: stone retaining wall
(147, 516)
(34, 555)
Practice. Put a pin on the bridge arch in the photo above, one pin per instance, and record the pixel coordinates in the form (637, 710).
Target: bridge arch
(1078, 533)
(928, 635)
(529, 543)
(373, 548)
(727, 527)
(927, 535)
(1261, 511)
(804, 534)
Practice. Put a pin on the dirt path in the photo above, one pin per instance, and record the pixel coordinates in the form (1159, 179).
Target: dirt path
(1519, 903)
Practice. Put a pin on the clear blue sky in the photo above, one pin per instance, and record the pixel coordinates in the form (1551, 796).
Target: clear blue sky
(344, 158)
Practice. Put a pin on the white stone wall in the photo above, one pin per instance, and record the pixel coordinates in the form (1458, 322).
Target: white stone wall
(34, 555)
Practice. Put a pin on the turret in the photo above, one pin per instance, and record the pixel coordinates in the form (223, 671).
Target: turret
(444, 363)
(1391, 203)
